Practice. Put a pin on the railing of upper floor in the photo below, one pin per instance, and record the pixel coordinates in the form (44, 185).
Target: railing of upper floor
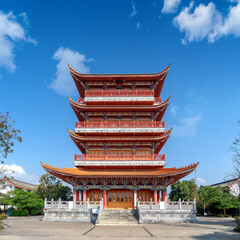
(119, 156)
(119, 93)
(120, 124)
(156, 100)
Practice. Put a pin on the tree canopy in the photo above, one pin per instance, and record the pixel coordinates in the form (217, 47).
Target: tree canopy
(209, 199)
(52, 188)
(8, 135)
(184, 190)
(235, 148)
(31, 203)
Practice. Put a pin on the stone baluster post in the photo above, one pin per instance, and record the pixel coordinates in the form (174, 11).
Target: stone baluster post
(88, 205)
(180, 204)
(45, 203)
(74, 204)
(59, 203)
(194, 205)
(135, 199)
(151, 204)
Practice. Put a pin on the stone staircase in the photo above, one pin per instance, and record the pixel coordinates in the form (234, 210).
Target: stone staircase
(118, 217)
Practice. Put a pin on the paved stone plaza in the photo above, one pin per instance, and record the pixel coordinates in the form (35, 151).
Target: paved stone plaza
(28, 228)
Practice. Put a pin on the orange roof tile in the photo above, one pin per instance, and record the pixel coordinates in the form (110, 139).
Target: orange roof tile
(104, 77)
(150, 108)
(82, 172)
(123, 138)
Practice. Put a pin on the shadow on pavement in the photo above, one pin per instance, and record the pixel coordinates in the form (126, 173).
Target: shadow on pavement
(218, 235)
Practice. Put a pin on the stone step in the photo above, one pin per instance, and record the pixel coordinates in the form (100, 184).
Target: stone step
(118, 217)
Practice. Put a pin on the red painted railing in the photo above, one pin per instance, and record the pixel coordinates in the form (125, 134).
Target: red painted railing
(117, 157)
(81, 100)
(158, 100)
(120, 124)
(119, 93)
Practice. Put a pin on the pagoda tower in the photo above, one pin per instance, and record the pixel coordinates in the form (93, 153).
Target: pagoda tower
(120, 133)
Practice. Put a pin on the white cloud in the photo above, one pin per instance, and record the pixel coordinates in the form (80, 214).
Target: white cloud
(138, 25)
(198, 23)
(187, 127)
(201, 181)
(170, 6)
(173, 110)
(11, 33)
(134, 10)
(206, 21)
(230, 25)
(63, 84)
(18, 173)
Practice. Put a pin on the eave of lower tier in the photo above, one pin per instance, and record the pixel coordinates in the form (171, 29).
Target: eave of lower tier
(81, 109)
(81, 140)
(81, 80)
(109, 173)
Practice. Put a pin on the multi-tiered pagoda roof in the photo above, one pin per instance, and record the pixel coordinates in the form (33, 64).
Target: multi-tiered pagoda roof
(120, 134)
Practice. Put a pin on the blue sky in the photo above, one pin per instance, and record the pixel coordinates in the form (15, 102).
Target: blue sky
(200, 39)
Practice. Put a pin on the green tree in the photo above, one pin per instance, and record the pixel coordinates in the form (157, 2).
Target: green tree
(228, 201)
(52, 188)
(24, 201)
(235, 148)
(184, 190)
(209, 196)
(8, 135)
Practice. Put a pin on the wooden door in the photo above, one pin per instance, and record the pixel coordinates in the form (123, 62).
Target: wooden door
(144, 195)
(120, 199)
(95, 195)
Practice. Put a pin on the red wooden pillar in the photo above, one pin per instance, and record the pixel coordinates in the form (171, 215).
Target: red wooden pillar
(155, 196)
(164, 195)
(75, 195)
(84, 196)
(104, 199)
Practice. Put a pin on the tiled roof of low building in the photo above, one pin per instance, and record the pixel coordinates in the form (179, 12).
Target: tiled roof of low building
(20, 184)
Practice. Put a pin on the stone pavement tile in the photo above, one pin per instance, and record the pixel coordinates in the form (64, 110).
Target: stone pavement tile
(31, 228)
(207, 228)
(118, 232)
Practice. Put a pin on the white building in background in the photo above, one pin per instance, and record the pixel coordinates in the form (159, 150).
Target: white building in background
(232, 185)
(8, 184)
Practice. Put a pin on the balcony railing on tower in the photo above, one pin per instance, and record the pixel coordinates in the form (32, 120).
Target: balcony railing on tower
(120, 124)
(156, 100)
(119, 93)
(119, 157)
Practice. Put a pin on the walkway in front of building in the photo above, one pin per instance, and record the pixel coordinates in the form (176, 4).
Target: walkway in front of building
(28, 228)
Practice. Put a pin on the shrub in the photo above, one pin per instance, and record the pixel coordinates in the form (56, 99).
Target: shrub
(25, 202)
(3, 216)
(20, 212)
(1, 225)
(220, 215)
(237, 221)
(36, 211)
